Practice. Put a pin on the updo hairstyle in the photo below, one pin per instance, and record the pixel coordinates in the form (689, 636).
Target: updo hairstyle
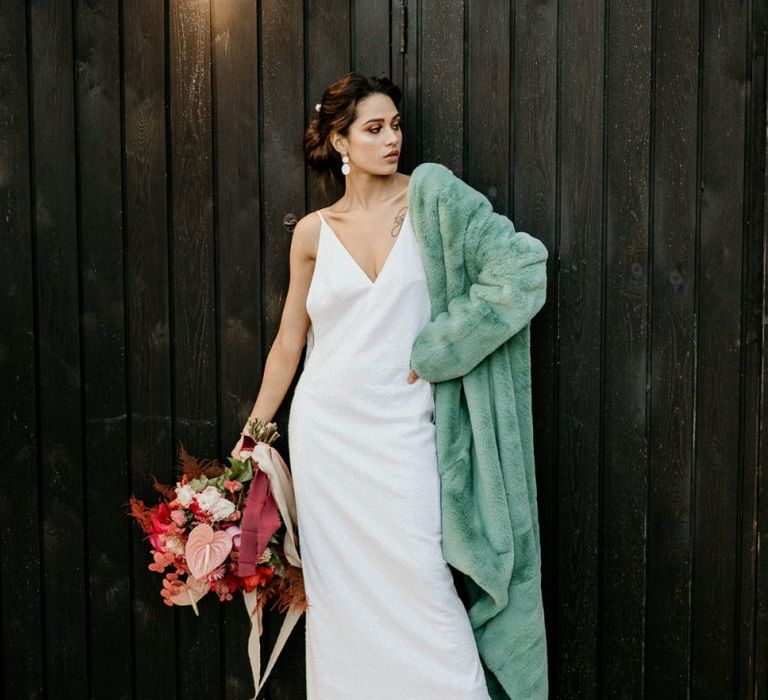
(338, 109)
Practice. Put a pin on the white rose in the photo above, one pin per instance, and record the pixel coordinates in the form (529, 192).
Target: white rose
(222, 509)
(208, 498)
(174, 545)
(185, 494)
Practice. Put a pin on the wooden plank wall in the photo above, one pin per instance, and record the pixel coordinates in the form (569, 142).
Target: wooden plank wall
(150, 153)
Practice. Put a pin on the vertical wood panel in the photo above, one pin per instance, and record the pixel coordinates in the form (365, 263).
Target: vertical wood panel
(580, 185)
(194, 380)
(283, 90)
(673, 342)
(760, 512)
(534, 200)
(59, 370)
(625, 480)
(441, 83)
(718, 349)
(370, 37)
(235, 157)
(752, 641)
(103, 327)
(23, 639)
(408, 33)
(150, 445)
(486, 136)
(327, 60)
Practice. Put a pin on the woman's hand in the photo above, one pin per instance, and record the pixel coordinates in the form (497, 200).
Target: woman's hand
(412, 376)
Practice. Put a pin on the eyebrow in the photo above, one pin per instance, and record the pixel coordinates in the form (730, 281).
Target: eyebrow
(379, 119)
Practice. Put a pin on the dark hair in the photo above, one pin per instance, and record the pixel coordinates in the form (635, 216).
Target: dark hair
(338, 109)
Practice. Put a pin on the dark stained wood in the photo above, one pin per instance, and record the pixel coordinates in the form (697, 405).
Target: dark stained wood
(625, 341)
(580, 302)
(192, 283)
(757, 667)
(669, 528)
(23, 649)
(236, 182)
(487, 100)
(102, 256)
(752, 642)
(719, 350)
(534, 200)
(328, 58)
(282, 159)
(150, 437)
(370, 36)
(440, 82)
(59, 360)
(149, 154)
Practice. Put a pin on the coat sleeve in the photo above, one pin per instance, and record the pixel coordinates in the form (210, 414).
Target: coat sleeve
(508, 280)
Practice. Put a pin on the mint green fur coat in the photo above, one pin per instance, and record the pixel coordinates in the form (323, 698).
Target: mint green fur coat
(486, 282)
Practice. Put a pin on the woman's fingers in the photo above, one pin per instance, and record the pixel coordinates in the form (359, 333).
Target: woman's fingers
(412, 376)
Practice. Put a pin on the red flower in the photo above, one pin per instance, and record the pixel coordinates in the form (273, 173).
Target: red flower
(161, 518)
(261, 577)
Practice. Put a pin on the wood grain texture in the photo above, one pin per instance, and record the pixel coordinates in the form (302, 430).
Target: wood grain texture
(237, 251)
(23, 650)
(147, 229)
(369, 36)
(580, 348)
(534, 204)
(719, 349)
(59, 369)
(487, 112)
(192, 284)
(328, 58)
(752, 661)
(673, 348)
(282, 160)
(625, 339)
(103, 329)
(440, 82)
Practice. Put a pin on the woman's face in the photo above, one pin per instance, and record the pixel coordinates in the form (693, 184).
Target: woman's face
(373, 134)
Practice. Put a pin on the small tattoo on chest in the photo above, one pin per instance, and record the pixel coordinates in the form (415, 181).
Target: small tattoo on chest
(399, 218)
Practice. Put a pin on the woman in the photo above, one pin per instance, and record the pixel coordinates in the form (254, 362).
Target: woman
(384, 619)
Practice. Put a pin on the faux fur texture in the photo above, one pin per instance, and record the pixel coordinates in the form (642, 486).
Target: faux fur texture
(486, 281)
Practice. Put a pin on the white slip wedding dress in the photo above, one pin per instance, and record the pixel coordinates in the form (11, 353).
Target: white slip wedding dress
(384, 619)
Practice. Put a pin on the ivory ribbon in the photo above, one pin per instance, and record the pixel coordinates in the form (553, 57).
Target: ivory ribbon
(268, 460)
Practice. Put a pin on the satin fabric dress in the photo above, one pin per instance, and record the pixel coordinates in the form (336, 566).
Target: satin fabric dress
(384, 619)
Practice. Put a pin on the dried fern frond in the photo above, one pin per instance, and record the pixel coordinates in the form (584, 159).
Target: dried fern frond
(138, 510)
(168, 491)
(195, 467)
(289, 590)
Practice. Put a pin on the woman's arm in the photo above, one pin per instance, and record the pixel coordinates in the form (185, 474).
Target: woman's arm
(507, 271)
(285, 353)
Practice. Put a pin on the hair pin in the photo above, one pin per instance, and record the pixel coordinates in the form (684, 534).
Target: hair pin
(317, 107)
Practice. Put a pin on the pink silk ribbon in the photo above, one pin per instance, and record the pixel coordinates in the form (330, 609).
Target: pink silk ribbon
(261, 519)
(274, 479)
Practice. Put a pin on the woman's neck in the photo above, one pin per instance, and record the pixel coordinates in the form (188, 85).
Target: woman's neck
(364, 191)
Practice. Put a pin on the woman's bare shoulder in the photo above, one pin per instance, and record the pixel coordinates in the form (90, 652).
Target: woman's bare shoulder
(305, 234)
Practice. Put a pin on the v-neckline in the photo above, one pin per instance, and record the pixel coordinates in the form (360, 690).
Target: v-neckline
(371, 282)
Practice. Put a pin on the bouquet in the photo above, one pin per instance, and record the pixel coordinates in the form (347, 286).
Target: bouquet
(196, 538)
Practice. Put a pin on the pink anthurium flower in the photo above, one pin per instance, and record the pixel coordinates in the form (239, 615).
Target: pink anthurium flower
(206, 549)
(186, 592)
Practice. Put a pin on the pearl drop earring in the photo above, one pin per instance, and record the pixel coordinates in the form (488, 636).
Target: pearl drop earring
(345, 168)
